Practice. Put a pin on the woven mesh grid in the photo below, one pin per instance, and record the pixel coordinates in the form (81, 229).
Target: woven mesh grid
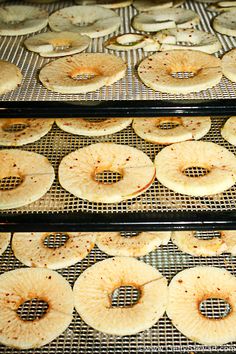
(9, 183)
(129, 88)
(215, 308)
(162, 337)
(32, 309)
(15, 127)
(57, 144)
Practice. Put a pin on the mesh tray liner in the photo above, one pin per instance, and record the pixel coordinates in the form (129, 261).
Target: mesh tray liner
(129, 88)
(56, 144)
(162, 337)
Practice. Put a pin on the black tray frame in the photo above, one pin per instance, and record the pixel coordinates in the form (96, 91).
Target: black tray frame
(148, 108)
(59, 222)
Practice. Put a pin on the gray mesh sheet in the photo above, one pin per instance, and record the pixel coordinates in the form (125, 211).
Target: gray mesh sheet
(57, 144)
(162, 337)
(129, 88)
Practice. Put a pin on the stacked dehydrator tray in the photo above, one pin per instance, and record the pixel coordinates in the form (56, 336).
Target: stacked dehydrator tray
(157, 209)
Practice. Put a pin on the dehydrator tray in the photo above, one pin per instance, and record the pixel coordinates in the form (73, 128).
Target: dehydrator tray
(163, 337)
(125, 96)
(157, 208)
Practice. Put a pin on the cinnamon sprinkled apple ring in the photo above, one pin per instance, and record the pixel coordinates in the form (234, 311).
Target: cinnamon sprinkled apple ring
(179, 128)
(94, 21)
(94, 288)
(218, 164)
(23, 287)
(32, 249)
(149, 5)
(17, 20)
(188, 242)
(225, 23)
(131, 41)
(24, 177)
(189, 292)
(10, 76)
(156, 20)
(187, 38)
(114, 244)
(229, 130)
(57, 44)
(229, 236)
(228, 65)
(83, 126)
(27, 130)
(162, 71)
(95, 70)
(222, 6)
(82, 172)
